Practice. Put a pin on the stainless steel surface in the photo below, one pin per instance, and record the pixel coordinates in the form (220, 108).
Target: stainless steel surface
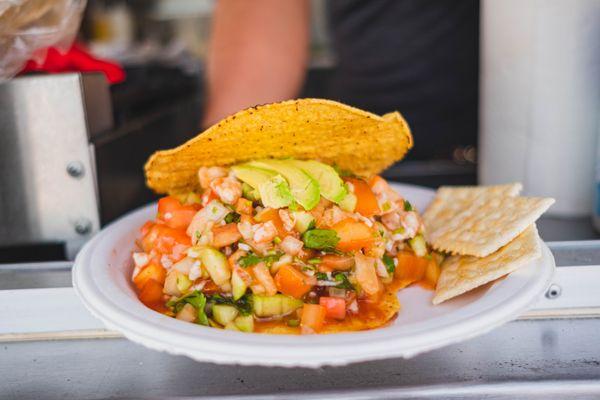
(47, 178)
(530, 356)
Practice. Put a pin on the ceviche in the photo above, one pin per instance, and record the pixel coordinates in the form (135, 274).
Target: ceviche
(282, 246)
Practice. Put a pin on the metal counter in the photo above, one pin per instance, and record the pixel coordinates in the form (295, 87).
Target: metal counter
(546, 354)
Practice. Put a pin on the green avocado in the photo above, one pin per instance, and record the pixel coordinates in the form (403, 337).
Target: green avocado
(272, 188)
(331, 185)
(304, 188)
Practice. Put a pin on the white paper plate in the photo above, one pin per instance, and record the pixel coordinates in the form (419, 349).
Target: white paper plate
(101, 277)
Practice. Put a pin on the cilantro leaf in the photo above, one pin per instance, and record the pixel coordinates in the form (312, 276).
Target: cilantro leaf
(249, 260)
(243, 304)
(344, 283)
(389, 263)
(321, 276)
(408, 206)
(320, 239)
(197, 299)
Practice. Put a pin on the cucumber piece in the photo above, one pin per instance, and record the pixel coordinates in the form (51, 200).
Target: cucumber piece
(170, 286)
(213, 324)
(348, 203)
(183, 283)
(215, 262)
(231, 327)
(270, 306)
(238, 286)
(418, 245)
(303, 220)
(244, 323)
(224, 314)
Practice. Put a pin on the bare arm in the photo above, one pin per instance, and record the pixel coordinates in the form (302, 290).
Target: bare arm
(258, 54)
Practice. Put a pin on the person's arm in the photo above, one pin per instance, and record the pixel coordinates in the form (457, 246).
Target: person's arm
(258, 53)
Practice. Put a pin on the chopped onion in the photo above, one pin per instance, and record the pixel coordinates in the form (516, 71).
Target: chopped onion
(337, 292)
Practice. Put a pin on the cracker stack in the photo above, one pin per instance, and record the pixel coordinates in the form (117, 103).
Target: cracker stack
(487, 231)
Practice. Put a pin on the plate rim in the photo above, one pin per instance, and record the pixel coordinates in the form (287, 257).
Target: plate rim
(382, 342)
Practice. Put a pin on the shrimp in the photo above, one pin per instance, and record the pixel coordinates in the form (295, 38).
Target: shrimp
(207, 174)
(264, 232)
(228, 189)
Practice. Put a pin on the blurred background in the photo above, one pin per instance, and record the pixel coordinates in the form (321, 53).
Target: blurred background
(494, 92)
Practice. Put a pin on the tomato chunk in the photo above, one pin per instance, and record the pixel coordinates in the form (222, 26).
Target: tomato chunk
(354, 235)
(174, 214)
(292, 282)
(334, 262)
(152, 271)
(313, 318)
(335, 307)
(152, 293)
(366, 202)
(272, 214)
(410, 266)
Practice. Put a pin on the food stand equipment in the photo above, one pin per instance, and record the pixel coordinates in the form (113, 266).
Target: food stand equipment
(51, 347)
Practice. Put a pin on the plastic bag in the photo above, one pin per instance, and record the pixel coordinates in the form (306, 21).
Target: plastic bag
(29, 27)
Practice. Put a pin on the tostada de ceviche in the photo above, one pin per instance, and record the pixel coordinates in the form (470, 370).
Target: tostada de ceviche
(256, 235)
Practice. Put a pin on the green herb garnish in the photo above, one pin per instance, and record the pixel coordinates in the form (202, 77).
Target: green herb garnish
(320, 239)
(344, 283)
(243, 304)
(389, 263)
(321, 276)
(197, 299)
(293, 323)
(251, 259)
(314, 261)
(408, 206)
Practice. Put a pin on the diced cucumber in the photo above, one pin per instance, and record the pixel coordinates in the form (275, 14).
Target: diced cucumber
(348, 203)
(418, 245)
(279, 304)
(238, 285)
(216, 264)
(183, 283)
(303, 220)
(170, 286)
(244, 323)
(231, 327)
(187, 313)
(224, 314)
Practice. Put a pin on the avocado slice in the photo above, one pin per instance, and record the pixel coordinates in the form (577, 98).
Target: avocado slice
(304, 188)
(331, 185)
(272, 188)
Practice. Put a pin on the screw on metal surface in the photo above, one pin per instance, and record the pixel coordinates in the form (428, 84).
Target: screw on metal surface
(83, 226)
(75, 169)
(553, 291)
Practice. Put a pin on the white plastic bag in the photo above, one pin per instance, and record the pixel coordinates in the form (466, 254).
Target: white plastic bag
(29, 27)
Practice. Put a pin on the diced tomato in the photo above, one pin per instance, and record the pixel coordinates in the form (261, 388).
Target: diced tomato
(313, 318)
(152, 271)
(432, 274)
(272, 214)
(366, 275)
(410, 267)
(335, 307)
(174, 214)
(167, 238)
(146, 228)
(366, 202)
(243, 206)
(354, 235)
(292, 282)
(224, 235)
(152, 293)
(334, 262)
